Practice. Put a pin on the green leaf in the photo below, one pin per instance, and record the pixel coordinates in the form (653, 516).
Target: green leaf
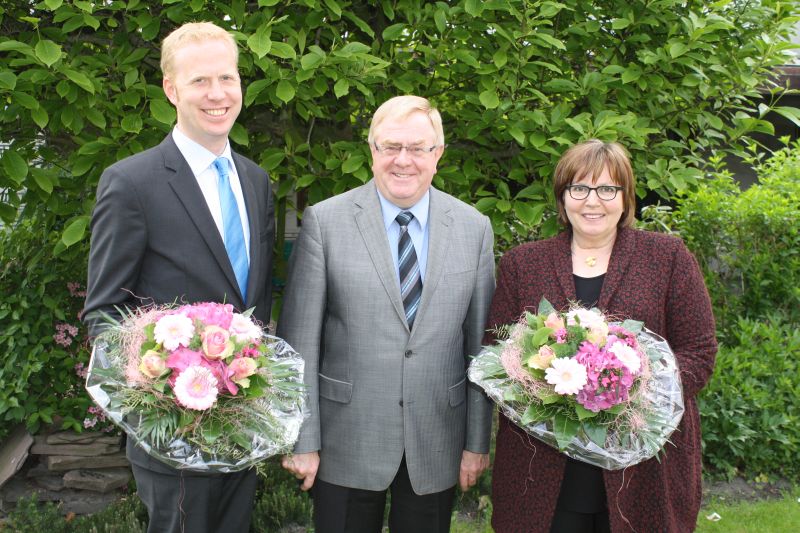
(489, 99)
(440, 19)
(48, 52)
(540, 336)
(163, 111)
(8, 80)
(393, 32)
(584, 413)
(42, 179)
(254, 89)
(79, 79)
(40, 117)
(565, 429)
(677, 49)
(75, 230)
(596, 432)
(620, 23)
(272, 161)
(529, 214)
(131, 123)
(15, 166)
(545, 307)
(285, 91)
(631, 73)
(549, 41)
(353, 163)
(238, 134)
(474, 7)
(52, 5)
(282, 50)
(333, 6)
(341, 88)
(500, 58)
(311, 61)
(260, 42)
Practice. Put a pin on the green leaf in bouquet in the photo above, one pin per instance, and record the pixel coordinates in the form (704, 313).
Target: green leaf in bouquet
(653, 354)
(186, 418)
(150, 333)
(510, 395)
(616, 409)
(533, 321)
(149, 344)
(576, 333)
(534, 413)
(634, 326)
(258, 386)
(545, 307)
(212, 430)
(584, 413)
(548, 397)
(564, 428)
(564, 350)
(541, 336)
(240, 440)
(596, 432)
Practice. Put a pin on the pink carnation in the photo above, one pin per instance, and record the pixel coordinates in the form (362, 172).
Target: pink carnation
(209, 313)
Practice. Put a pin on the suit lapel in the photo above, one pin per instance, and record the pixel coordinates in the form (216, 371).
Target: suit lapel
(191, 198)
(251, 206)
(440, 223)
(369, 219)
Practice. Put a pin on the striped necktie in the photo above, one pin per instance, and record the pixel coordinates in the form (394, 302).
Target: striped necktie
(410, 280)
(232, 226)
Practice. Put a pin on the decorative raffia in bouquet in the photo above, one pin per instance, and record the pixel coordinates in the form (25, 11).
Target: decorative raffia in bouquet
(602, 392)
(199, 386)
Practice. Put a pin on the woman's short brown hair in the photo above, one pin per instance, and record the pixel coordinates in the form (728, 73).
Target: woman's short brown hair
(593, 156)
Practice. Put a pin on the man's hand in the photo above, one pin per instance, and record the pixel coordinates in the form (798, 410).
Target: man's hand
(472, 466)
(304, 466)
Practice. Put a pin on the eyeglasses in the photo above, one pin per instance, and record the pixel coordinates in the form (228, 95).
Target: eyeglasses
(604, 192)
(393, 150)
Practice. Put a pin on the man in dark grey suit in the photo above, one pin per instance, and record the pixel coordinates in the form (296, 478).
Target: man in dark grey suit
(388, 290)
(189, 221)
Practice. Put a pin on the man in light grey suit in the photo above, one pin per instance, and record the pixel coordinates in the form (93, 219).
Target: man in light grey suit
(388, 290)
(188, 221)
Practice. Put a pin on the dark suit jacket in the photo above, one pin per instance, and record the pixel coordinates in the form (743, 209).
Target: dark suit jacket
(653, 278)
(154, 241)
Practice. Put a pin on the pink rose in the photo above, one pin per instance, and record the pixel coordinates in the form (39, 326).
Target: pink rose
(554, 322)
(241, 369)
(217, 342)
(152, 364)
(542, 359)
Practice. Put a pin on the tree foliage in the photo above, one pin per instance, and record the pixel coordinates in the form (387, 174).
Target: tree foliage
(517, 82)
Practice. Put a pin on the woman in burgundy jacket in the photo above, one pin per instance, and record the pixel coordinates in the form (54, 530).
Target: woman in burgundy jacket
(599, 260)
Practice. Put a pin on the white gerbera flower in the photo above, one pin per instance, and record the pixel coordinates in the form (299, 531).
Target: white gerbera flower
(196, 388)
(568, 375)
(588, 318)
(172, 331)
(627, 356)
(243, 329)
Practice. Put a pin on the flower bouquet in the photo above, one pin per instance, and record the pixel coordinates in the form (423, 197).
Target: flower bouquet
(605, 393)
(199, 386)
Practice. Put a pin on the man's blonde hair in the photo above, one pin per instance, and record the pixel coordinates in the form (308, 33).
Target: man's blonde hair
(400, 108)
(192, 32)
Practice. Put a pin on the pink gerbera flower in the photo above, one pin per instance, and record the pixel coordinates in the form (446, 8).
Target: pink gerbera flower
(196, 388)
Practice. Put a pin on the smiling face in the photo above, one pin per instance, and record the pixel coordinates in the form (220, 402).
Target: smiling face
(594, 220)
(206, 91)
(403, 179)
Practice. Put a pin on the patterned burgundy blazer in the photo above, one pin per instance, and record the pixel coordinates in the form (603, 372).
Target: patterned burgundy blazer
(653, 278)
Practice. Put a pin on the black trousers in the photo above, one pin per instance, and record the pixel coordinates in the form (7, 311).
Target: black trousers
(184, 502)
(340, 509)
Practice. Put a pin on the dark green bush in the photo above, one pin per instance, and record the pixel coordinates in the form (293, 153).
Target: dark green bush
(279, 501)
(750, 409)
(126, 515)
(748, 242)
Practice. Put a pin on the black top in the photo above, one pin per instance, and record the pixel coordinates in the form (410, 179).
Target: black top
(582, 489)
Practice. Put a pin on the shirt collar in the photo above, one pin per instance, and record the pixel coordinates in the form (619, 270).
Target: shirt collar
(419, 210)
(198, 156)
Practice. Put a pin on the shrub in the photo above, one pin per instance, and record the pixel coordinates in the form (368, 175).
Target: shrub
(750, 413)
(748, 243)
(279, 502)
(126, 515)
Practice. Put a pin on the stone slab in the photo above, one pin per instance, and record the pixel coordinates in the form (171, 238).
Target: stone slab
(51, 482)
(70, 437)
(61, 463)
(71, 500)
(101, 480)
(13, 452)
(86, 450)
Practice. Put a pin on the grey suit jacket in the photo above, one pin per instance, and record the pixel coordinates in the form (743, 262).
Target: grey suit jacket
(378, 390)
(154, 241)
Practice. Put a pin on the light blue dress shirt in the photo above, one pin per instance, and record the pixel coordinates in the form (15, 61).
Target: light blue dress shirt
(417, 230)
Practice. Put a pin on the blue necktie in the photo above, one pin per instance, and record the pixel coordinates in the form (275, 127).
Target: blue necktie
(232, 226)
(410, 279)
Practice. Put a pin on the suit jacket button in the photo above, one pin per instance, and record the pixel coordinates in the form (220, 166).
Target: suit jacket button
(401, 403)
(408, 353)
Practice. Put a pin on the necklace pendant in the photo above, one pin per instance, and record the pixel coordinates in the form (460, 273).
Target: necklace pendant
(590, 261)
